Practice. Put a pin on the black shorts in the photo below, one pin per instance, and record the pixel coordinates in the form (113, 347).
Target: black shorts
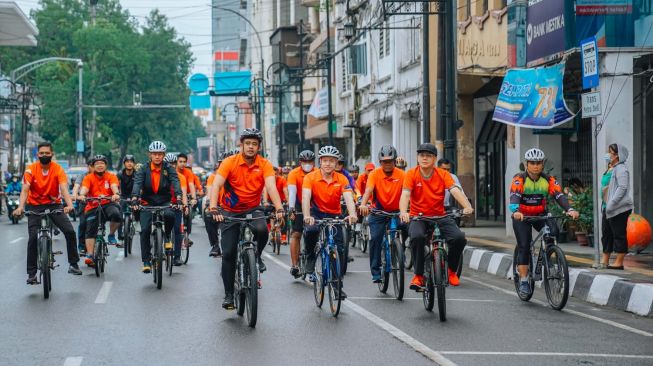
(110, 212)
(298, 224)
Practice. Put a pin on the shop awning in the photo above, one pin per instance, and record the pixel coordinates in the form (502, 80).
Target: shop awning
(15, 28)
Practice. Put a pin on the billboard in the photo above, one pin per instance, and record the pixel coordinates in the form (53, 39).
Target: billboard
(545, 30)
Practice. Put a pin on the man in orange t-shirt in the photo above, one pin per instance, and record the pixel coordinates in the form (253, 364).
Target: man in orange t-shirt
(44, 183)
(383, 188)
(243, 177)
(192, 188)
(100, 183)
(321, 194)
(295, 182)
(424, 188)
(361, 181)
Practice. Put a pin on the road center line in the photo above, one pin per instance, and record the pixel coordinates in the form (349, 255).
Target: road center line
(394, 331)
(574, 312)
(414, 298)
(546, 354)
(103, 295)
(17, 239)
(73, 361)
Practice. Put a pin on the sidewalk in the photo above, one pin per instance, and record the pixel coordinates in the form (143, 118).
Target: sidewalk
(490, 250)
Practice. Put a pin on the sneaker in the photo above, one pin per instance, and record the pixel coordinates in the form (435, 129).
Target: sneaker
(294, 271)
(261, 265)
(74, 269)
(177, 262)
(215, 251)
(167, 245)
(147, 267)
(112, 240)
(453, 278)
(82, 252)
(350, 259)
(228, 302)
(376, 279)
(89, 262)
(32, 280)
(189, 243)
(524, 288)
(417, 283)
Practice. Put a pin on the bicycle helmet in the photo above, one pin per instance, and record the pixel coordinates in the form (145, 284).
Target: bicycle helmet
(285, 170)
(128, 157)
(387, 152)
(354, 169)
(330, 151)
(170, 158)
(534, 154)
(97, 158)
(251, 133)
(307, 155)
(157, 146)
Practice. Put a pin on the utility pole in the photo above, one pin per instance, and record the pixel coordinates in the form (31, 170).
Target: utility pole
(23, 129)
(440, 81)
(301, 85)
(451, 89)
(93, 12)
(329, 59)
(426, 96)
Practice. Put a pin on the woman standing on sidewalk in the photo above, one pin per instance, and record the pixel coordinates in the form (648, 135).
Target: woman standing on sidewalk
(618, 207)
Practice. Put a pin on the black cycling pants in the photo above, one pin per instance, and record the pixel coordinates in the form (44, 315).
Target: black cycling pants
(524, 235)
(146, 230)
(110, 212)
(450, 231)
(59, 220)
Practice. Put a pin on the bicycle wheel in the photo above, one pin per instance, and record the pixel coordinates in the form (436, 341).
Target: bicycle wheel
(515, 276)
(239, 288)
(185, 249)
(345, 261)
(318, 285)
(277, 241)
(440, 264)
(157, 265)
(556, 277)
(169, 264)
(407, 255)
(103, 258)
(44, 262)
(385, 274)
(334, 283)
(365, 237)
(126, 228)
(132, 232)
(251, 287)
(429, 290)
(96, 256)
(397, 268)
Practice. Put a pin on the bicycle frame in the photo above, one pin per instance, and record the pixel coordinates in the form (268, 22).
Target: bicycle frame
(328, 245)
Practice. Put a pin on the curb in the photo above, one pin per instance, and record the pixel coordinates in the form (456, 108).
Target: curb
(584, 284)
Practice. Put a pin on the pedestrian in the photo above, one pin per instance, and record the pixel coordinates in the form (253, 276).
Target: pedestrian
(618, 206)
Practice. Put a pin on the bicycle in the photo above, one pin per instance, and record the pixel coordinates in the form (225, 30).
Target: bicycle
(275, 235)
(157, 238)
(551, 258)
(327, 265)
(435, 267)
(101, 250)
(392, 261)
(129, 229)
(363, 235)
(45, 255)
(246, 282)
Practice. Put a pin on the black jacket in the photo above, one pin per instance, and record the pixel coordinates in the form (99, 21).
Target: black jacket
(169, 182)
(126, 183)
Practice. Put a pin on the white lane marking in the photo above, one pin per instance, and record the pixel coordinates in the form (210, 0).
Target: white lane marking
(120, 256)
(103, 295)
(414, 298)
(394, 331)
(495, 262)
(601, 287)
(73, 361)
(562, 354)
(574, 312)
(348, 271)
(641, 299)
(17, 239)
(475, 261)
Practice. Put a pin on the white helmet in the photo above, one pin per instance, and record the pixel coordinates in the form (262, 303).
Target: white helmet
(328, 150)
(157, 146)
(534, 155)
(170, 158)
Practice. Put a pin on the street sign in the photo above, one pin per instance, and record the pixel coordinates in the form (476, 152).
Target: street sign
(80, 146)
(198, 83)
(590, 60)
(591, 103)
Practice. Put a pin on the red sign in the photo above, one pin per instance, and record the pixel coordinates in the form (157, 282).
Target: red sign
(226, 56)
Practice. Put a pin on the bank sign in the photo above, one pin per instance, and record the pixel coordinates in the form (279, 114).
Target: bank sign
(533, 98)
(545, 30)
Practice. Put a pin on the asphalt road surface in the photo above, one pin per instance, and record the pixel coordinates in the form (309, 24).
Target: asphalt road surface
(121, 318)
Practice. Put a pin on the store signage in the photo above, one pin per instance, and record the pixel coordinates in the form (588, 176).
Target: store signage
(545, 30)
(591, 104)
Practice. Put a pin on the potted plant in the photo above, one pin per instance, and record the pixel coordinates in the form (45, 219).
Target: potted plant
(584, 204)
(555, 210)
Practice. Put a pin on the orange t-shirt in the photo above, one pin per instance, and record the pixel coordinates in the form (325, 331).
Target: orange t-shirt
(99, 186)
(296, 178)
(281, 184)
(326, 196)
(197, 182)
(182, 185)
(427, 195)
(156, 177)
(361, 183)
(209, 182)
(387, 189)
(44, 187)
(243, 183)
(188, 174)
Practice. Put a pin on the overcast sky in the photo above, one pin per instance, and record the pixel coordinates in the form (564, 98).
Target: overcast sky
(191, 18)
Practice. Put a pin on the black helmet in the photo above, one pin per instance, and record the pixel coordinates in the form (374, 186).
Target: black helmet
(341, 158)
(128, 157)
(251, 133)
(387, 152)
(427, 148)
(354, 169)
(307, 155)
(89, 161)
(97, 158)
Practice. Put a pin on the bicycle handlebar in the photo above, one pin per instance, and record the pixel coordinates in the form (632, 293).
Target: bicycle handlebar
(157, 208)
(244, 219)
(384, 213)
(44, 213)
(543, 218)
(331, 221)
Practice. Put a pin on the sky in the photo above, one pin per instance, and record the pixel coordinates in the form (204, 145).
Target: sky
(191, 19)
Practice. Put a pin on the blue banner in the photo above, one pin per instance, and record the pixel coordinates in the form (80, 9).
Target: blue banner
(533, 98)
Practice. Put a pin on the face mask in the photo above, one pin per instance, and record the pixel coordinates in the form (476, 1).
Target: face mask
(307, 168)
(45, 159)
(99, 174)
(606, 157)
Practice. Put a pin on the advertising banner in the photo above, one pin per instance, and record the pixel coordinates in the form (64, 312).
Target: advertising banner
(533, 98)
(320, 106)
(545, 29)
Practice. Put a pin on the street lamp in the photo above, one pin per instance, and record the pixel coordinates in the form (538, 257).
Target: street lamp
(348, 30)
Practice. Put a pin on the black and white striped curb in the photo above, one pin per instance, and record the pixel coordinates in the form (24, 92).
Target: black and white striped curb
(584, 284)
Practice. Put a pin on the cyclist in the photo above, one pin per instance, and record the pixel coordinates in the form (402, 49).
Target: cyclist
(210, 224)
(100, 183)
(424, 188)
(191, 188)
(528, 194)
(81, 228)
(243, 177)
(340, 168)
(384, 184)
(126, 178)
(295, 180)
(282, 188)
(321, 193)
(401, 163)
(354, 170)
(171, 159)
(155, 184)
(446, 164)
(44, 183)
(361, 182)
(14, 187)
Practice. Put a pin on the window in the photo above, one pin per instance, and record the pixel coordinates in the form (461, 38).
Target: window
(358, 59)
(387, 40)
(343, 72)
(414, 41)
(382, 40)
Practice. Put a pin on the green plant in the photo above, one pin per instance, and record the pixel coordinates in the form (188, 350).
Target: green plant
(583, 202)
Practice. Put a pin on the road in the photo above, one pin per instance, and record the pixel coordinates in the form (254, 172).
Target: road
(122, 319)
